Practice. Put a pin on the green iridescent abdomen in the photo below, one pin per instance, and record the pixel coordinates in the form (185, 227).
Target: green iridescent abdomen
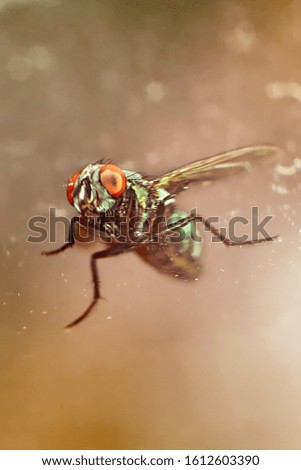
(176, 258)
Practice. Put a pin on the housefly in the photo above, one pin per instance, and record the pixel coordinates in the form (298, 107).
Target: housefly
(134, 213)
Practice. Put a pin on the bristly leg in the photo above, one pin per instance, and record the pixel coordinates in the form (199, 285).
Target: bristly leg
(108, 252)
(69, 244)
(215, 231)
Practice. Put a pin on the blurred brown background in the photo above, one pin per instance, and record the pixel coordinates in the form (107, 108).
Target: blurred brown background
(160, 363)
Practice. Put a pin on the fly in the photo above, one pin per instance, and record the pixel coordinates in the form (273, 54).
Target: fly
(133, 213)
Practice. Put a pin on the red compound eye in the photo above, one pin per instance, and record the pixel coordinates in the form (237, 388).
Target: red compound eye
(113, 179)
(70, 187)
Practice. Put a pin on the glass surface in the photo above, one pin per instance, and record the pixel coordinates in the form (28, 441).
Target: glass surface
(160, 363)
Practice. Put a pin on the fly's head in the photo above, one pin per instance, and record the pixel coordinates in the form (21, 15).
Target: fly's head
(96, 188)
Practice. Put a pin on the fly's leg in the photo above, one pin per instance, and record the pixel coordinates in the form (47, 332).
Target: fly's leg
(69, 244)
(215, 231)
(108, 252)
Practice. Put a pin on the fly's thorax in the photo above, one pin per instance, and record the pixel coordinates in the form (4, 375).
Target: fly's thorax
(179, 253)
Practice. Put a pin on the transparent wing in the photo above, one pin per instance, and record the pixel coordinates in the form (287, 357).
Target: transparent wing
(218, 166)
